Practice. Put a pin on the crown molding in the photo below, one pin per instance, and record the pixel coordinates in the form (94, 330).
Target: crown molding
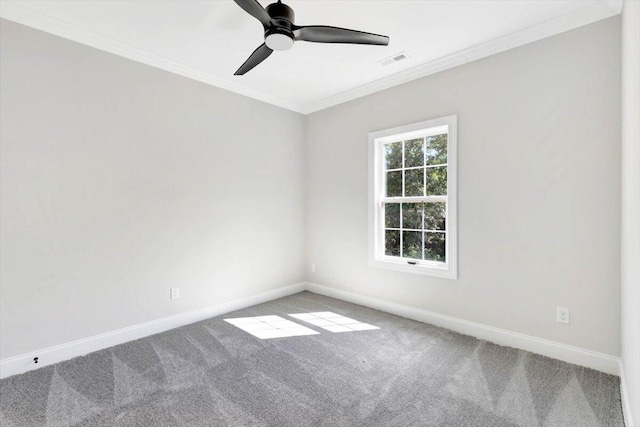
(21, 14)
(16, 12)
(579, 18)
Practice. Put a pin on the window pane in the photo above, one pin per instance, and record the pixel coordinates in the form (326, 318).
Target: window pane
(437, 149)
(394, 184)
(414, 182)
(393, 155)
(392, 243)
(414, 153)
(434, 246)
(412, 216)
(412, 244)
(437, 181)
(392, 215)
(434, 216)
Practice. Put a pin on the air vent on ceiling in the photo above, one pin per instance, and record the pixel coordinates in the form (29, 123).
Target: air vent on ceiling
(395, 58)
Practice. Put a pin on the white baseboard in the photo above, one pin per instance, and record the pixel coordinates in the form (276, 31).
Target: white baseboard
(624, 396)
(48, 356)
(578, 356)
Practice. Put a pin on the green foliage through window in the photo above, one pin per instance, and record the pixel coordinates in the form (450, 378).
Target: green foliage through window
(393, 155)
(437, 181)
(418, 163)
(416, 168)
(414, 153)
(422, 227)
(436, 150)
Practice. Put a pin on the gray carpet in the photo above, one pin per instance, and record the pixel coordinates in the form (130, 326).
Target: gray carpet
(405, 374)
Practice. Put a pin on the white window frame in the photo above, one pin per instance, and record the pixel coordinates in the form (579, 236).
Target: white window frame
(377, 198)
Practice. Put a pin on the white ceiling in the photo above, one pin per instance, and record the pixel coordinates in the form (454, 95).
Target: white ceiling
(209, 40)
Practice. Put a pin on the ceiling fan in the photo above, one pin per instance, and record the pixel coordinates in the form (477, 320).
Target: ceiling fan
(280, 32)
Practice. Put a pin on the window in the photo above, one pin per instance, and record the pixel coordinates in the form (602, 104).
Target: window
(413, 198)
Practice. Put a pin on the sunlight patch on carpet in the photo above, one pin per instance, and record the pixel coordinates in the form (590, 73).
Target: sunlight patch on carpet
(333, 322)
(267, 327)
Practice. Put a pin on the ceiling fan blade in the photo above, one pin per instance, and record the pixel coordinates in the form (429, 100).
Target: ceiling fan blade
(258, 55)
(326, 34)
(253, 8)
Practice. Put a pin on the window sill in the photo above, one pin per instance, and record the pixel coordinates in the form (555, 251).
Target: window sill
(446, 271)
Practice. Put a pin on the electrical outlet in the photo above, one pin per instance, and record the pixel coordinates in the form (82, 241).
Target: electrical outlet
(562, 315)
(313, 268)
(175, 293)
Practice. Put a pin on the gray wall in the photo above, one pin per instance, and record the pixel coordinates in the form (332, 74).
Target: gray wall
(120, 181)
(538, 189)
(631, 206)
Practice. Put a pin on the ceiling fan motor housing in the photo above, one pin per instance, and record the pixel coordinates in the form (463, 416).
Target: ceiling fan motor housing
(280, 36)
(281, 14)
